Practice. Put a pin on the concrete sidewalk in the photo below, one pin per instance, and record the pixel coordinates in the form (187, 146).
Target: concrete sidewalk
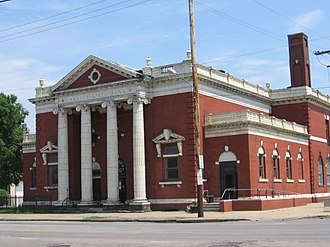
(308, 211)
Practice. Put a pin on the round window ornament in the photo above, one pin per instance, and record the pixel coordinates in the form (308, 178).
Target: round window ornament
(94, 76)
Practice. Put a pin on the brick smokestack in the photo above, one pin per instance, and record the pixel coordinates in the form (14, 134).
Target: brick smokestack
(299, 60)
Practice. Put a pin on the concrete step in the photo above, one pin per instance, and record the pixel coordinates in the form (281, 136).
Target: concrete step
(211, 207)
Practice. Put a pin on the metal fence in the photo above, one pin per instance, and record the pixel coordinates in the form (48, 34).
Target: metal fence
(11, 201)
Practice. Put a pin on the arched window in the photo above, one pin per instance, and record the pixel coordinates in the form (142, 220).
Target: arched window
(300, 160)
(276, 164)
(328, 171)
(288, 164)
(33, 174)
(262, 162)
(320, 170)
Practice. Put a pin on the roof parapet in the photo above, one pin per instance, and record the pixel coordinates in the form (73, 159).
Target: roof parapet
(256, 118)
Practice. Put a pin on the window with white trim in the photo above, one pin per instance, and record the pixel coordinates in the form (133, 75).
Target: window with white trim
(320, 170)
(52, 169)
(327, 133)
(262, 162)
(300, 160)
(171, 155)
(328, 171)
(169, 147)
(50, 159)
(288, 164)
(276, 164)
(33, 176)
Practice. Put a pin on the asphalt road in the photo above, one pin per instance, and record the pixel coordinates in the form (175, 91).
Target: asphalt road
(307, 232)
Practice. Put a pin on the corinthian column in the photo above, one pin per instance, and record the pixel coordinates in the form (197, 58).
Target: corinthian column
(86, 156)
(139, 150)
(112, 153)
(63, 155)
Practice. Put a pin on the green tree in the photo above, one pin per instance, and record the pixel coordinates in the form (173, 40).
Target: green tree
(12, 128)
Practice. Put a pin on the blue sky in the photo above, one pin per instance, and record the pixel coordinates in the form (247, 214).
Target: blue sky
(247, 38)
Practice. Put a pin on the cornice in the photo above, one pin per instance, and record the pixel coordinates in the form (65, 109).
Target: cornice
(45, 99)
(246, 118)
(99, 87)
(300, 95)
(235, 90)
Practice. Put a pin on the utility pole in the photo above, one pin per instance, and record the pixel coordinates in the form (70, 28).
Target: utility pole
(197, 150)
(318, 53)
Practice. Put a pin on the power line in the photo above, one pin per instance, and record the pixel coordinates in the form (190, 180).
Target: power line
(52, 16)
(284, 17)
(244, 54)
(64, 20)
(73, 22)
(240, 22)
(318, 53)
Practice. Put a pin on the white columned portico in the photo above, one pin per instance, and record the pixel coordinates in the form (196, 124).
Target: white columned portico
(112, 153)
(86, 155)
(63, 154)
(139, 179)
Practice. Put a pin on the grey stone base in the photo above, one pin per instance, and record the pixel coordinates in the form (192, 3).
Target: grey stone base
(139, 206)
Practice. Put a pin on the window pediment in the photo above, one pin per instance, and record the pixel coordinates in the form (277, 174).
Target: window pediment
(167, 137)
(49, 148)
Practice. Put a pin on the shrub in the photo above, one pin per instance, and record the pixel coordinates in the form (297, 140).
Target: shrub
(3, 194)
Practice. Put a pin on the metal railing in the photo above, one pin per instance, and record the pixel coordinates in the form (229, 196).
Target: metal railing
(233, 193)
(11, 201)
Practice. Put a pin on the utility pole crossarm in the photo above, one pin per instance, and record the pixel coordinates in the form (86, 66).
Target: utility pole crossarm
(317, 53)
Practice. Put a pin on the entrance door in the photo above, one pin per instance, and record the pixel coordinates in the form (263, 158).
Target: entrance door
(228, 178)
(122, 180)
(96, 173)
(97, 189)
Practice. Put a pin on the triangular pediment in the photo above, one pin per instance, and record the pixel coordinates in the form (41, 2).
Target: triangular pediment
(95, 71)
(168, 136)
(49, 148)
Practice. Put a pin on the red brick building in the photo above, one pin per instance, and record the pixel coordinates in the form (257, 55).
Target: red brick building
(112, 135)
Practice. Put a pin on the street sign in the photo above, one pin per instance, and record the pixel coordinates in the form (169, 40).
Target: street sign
(200, 177)
(200, 161)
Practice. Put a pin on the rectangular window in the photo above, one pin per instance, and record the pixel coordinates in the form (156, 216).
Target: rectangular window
(327, 134)
(276, 167)
(262, 172)
(171, 154)
(52, 158)
(288, 168)
(172, 172)
(301, 168)
(320, 171)
(328, 171)
(33, 176)
(53, 175)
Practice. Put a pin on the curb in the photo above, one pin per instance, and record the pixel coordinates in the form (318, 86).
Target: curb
(186, 220)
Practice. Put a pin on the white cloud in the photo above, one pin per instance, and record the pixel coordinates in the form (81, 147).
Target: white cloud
(19, 76)
(308, 20)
